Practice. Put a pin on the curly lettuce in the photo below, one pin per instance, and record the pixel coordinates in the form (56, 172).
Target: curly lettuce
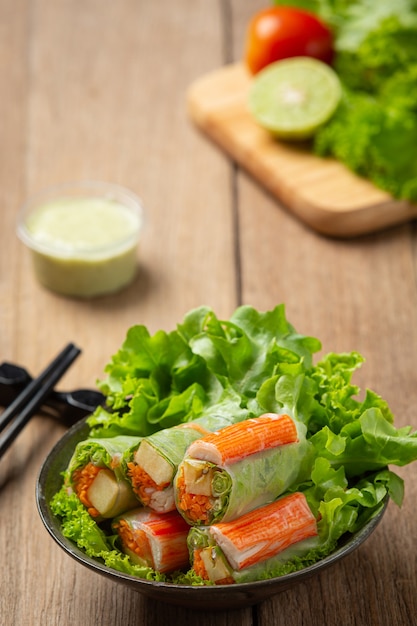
(206, 364)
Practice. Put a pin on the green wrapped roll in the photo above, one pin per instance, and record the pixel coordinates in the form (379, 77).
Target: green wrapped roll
(152, 465)
(95, 474)
(241, 467)
(156, 540)
(258, 545)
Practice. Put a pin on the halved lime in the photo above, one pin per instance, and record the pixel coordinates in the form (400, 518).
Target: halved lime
(292, 98)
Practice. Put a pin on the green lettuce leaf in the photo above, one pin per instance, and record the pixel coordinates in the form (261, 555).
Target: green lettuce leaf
(153, 382)
(369, 444)
(156, 382)
(246, 349)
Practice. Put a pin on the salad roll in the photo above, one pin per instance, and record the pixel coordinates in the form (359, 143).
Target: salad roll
(241, 467)
(255, 545)
(152, 465)
(95, 474)
(156, 540)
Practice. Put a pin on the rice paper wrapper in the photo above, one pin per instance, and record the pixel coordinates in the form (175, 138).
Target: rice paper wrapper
(255, 480)
(289, 560)
(172, 443)
(103, 453)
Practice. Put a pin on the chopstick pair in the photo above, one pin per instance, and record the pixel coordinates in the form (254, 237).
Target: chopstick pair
(15, 417)
(68, 407)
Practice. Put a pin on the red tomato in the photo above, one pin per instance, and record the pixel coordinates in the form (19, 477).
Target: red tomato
(281, 32)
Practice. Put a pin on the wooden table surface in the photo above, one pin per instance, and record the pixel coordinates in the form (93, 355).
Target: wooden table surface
(96, 90)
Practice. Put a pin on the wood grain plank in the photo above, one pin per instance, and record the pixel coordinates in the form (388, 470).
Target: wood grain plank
(14, 29)
(98, 93)
(13, 72)
(134, 136)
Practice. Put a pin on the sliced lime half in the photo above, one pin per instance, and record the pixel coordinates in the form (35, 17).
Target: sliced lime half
(292, 98)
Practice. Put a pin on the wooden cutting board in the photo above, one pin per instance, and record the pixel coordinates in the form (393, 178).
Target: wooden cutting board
(321, 192)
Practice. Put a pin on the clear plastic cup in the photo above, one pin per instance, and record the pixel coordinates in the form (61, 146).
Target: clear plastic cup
(83, 237)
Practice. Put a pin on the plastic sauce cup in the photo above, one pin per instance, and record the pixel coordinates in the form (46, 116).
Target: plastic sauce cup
(83, 237)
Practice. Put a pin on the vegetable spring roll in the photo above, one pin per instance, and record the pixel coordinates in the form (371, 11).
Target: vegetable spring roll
(95, 474)
(157, 540)
(240, 468)
(253, 546)
(151, 467)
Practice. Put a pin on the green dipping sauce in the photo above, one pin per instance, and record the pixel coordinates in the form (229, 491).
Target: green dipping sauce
(83, 246)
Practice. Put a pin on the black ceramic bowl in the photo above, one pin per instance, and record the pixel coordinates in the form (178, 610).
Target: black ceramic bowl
(210, 597)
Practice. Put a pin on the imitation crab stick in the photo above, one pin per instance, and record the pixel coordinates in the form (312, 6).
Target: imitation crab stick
(257, 542)
(95, 475)
(248, 437)
(156, 540)
(240, 468)
(151, 467)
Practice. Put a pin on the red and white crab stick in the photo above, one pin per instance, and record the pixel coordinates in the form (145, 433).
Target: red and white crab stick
(243, 466)
(156, 540)
(240, 550)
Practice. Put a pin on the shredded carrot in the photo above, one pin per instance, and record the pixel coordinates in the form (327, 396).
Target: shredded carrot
(82, 479)
(198, 565)
(197, 507)
(136, 541)
(268, 530)
(242, 439)
(142, 484)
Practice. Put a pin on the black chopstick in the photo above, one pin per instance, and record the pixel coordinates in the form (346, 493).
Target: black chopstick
(67, 407)
(31, 398)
